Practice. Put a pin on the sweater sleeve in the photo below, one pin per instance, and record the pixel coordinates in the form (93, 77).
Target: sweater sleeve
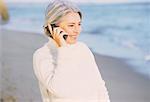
(102, 90)
(44, 68)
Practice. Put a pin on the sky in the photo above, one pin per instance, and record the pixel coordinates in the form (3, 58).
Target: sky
(84, 1)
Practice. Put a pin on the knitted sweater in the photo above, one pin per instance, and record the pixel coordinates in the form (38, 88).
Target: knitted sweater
(68, 74)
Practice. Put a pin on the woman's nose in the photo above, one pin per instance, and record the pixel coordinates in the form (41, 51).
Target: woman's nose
(77, 29)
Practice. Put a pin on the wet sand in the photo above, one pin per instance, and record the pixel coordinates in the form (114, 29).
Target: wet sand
(19, 84)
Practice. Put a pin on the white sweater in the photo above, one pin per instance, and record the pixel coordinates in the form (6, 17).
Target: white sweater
(68, 74)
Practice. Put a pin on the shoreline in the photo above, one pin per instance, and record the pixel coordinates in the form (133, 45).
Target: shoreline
(123, 83)
(133, 87)
(126, 60)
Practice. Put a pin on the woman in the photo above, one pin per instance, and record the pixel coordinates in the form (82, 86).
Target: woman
(66, 68)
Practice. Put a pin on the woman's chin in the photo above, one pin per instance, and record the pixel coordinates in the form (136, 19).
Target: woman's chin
(72, 42)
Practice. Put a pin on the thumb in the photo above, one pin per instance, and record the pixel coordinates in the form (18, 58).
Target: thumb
(63, 41)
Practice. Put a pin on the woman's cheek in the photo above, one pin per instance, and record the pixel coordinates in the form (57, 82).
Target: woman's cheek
(69, 32)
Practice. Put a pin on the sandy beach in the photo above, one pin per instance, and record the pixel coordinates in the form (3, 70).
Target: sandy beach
(19, 84)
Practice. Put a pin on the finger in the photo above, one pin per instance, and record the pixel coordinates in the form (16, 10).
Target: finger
(58, 31)
(63, 34)
(50, 28)
(55, 32)
(63, 39)
(61, 29)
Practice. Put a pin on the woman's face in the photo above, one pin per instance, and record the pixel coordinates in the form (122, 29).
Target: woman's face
(71, 24)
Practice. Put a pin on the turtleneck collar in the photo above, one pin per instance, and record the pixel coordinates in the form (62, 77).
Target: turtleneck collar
(52, 42)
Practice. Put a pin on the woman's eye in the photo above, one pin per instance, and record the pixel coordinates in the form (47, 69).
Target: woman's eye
(70, 25)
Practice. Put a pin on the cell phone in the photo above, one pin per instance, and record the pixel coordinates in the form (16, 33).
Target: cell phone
(53, 26)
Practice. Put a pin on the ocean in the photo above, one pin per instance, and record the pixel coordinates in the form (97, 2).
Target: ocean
(118, 30)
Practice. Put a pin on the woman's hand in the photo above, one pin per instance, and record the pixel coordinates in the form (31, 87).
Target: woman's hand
(57, 34)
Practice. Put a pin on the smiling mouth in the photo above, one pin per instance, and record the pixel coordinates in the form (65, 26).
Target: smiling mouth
(73, 36)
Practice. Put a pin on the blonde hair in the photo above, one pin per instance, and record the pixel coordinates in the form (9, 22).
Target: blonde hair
(56, 10)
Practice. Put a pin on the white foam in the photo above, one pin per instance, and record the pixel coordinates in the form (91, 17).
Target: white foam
(147, 57)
